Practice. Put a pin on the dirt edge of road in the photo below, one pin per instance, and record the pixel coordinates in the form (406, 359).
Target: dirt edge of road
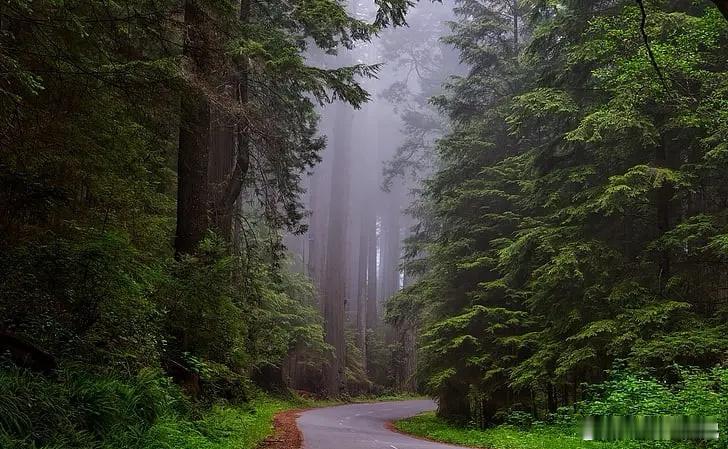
(285, 434)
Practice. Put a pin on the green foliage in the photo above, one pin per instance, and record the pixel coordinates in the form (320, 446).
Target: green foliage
(385, 364)
(502, 437)
(80, 410)
(357, 381)
(90, 120)
(227, 317)
(146, 412)
(104, 294)
(576, 215)
(693, 393)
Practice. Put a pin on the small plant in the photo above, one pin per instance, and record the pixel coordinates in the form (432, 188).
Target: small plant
(520, 419)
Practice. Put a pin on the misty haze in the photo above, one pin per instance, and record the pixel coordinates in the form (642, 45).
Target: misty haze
(330, 224)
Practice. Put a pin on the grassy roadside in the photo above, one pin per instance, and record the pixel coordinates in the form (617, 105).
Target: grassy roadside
(429, 426)
(222, 427)
(243, 426)
(86, 411)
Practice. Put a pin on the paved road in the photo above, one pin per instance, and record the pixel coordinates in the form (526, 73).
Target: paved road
(362, 426)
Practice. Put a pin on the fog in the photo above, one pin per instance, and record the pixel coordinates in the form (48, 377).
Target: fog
(357, 197)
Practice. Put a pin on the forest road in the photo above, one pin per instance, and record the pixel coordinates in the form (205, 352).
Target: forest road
(363, 426)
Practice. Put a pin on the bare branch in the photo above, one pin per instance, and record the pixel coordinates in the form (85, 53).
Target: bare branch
(653, 61)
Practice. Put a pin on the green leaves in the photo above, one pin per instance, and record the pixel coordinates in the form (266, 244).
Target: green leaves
(329, 25)
(614, 125)
(540, 106)
(633, 190)
(578, 210)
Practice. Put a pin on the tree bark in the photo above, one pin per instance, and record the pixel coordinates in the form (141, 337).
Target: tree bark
(194, 136)
(371, 230)
(391, 236)
(336, 266)
(213, 156)
(361, 297)
(220, 167)
(233, 151)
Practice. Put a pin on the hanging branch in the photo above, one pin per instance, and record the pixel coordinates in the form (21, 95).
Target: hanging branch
(653, 61)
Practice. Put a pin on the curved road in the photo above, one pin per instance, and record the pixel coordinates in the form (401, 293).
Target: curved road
(362, 426)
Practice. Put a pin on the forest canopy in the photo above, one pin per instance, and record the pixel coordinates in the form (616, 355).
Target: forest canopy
(516, 207)
(576, 216)
(151, 160)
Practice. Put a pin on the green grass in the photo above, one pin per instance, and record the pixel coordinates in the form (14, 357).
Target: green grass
(83, 411)
(238, 427)
(222, 427)
(429, 426)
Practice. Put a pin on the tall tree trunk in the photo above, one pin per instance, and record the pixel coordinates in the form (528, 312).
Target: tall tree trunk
(194, 138)
(390, 256)
(220, 167)
(353, 250)
(372, 278)
(361, 296)
(391, 236)
(336, 266)
(231, 150)
(454, 402)
(410, 357)
(210, 179)
(319, 201)
(316, 235)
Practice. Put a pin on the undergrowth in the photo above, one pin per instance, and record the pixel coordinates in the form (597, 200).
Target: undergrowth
(79, 410)
(692, 392)
(542, 436)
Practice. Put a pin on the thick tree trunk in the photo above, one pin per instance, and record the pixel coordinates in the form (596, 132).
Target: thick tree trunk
(371, 231)
(392, 252)
(194, 136)
(552, 402)
(230, 148)
(361, 297)
(353, 251)
(220, 167)
(319, 202)
(336, 267)
(316, 235)
(390, 257)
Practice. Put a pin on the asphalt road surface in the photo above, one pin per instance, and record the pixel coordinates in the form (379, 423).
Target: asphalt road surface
(362, 426)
